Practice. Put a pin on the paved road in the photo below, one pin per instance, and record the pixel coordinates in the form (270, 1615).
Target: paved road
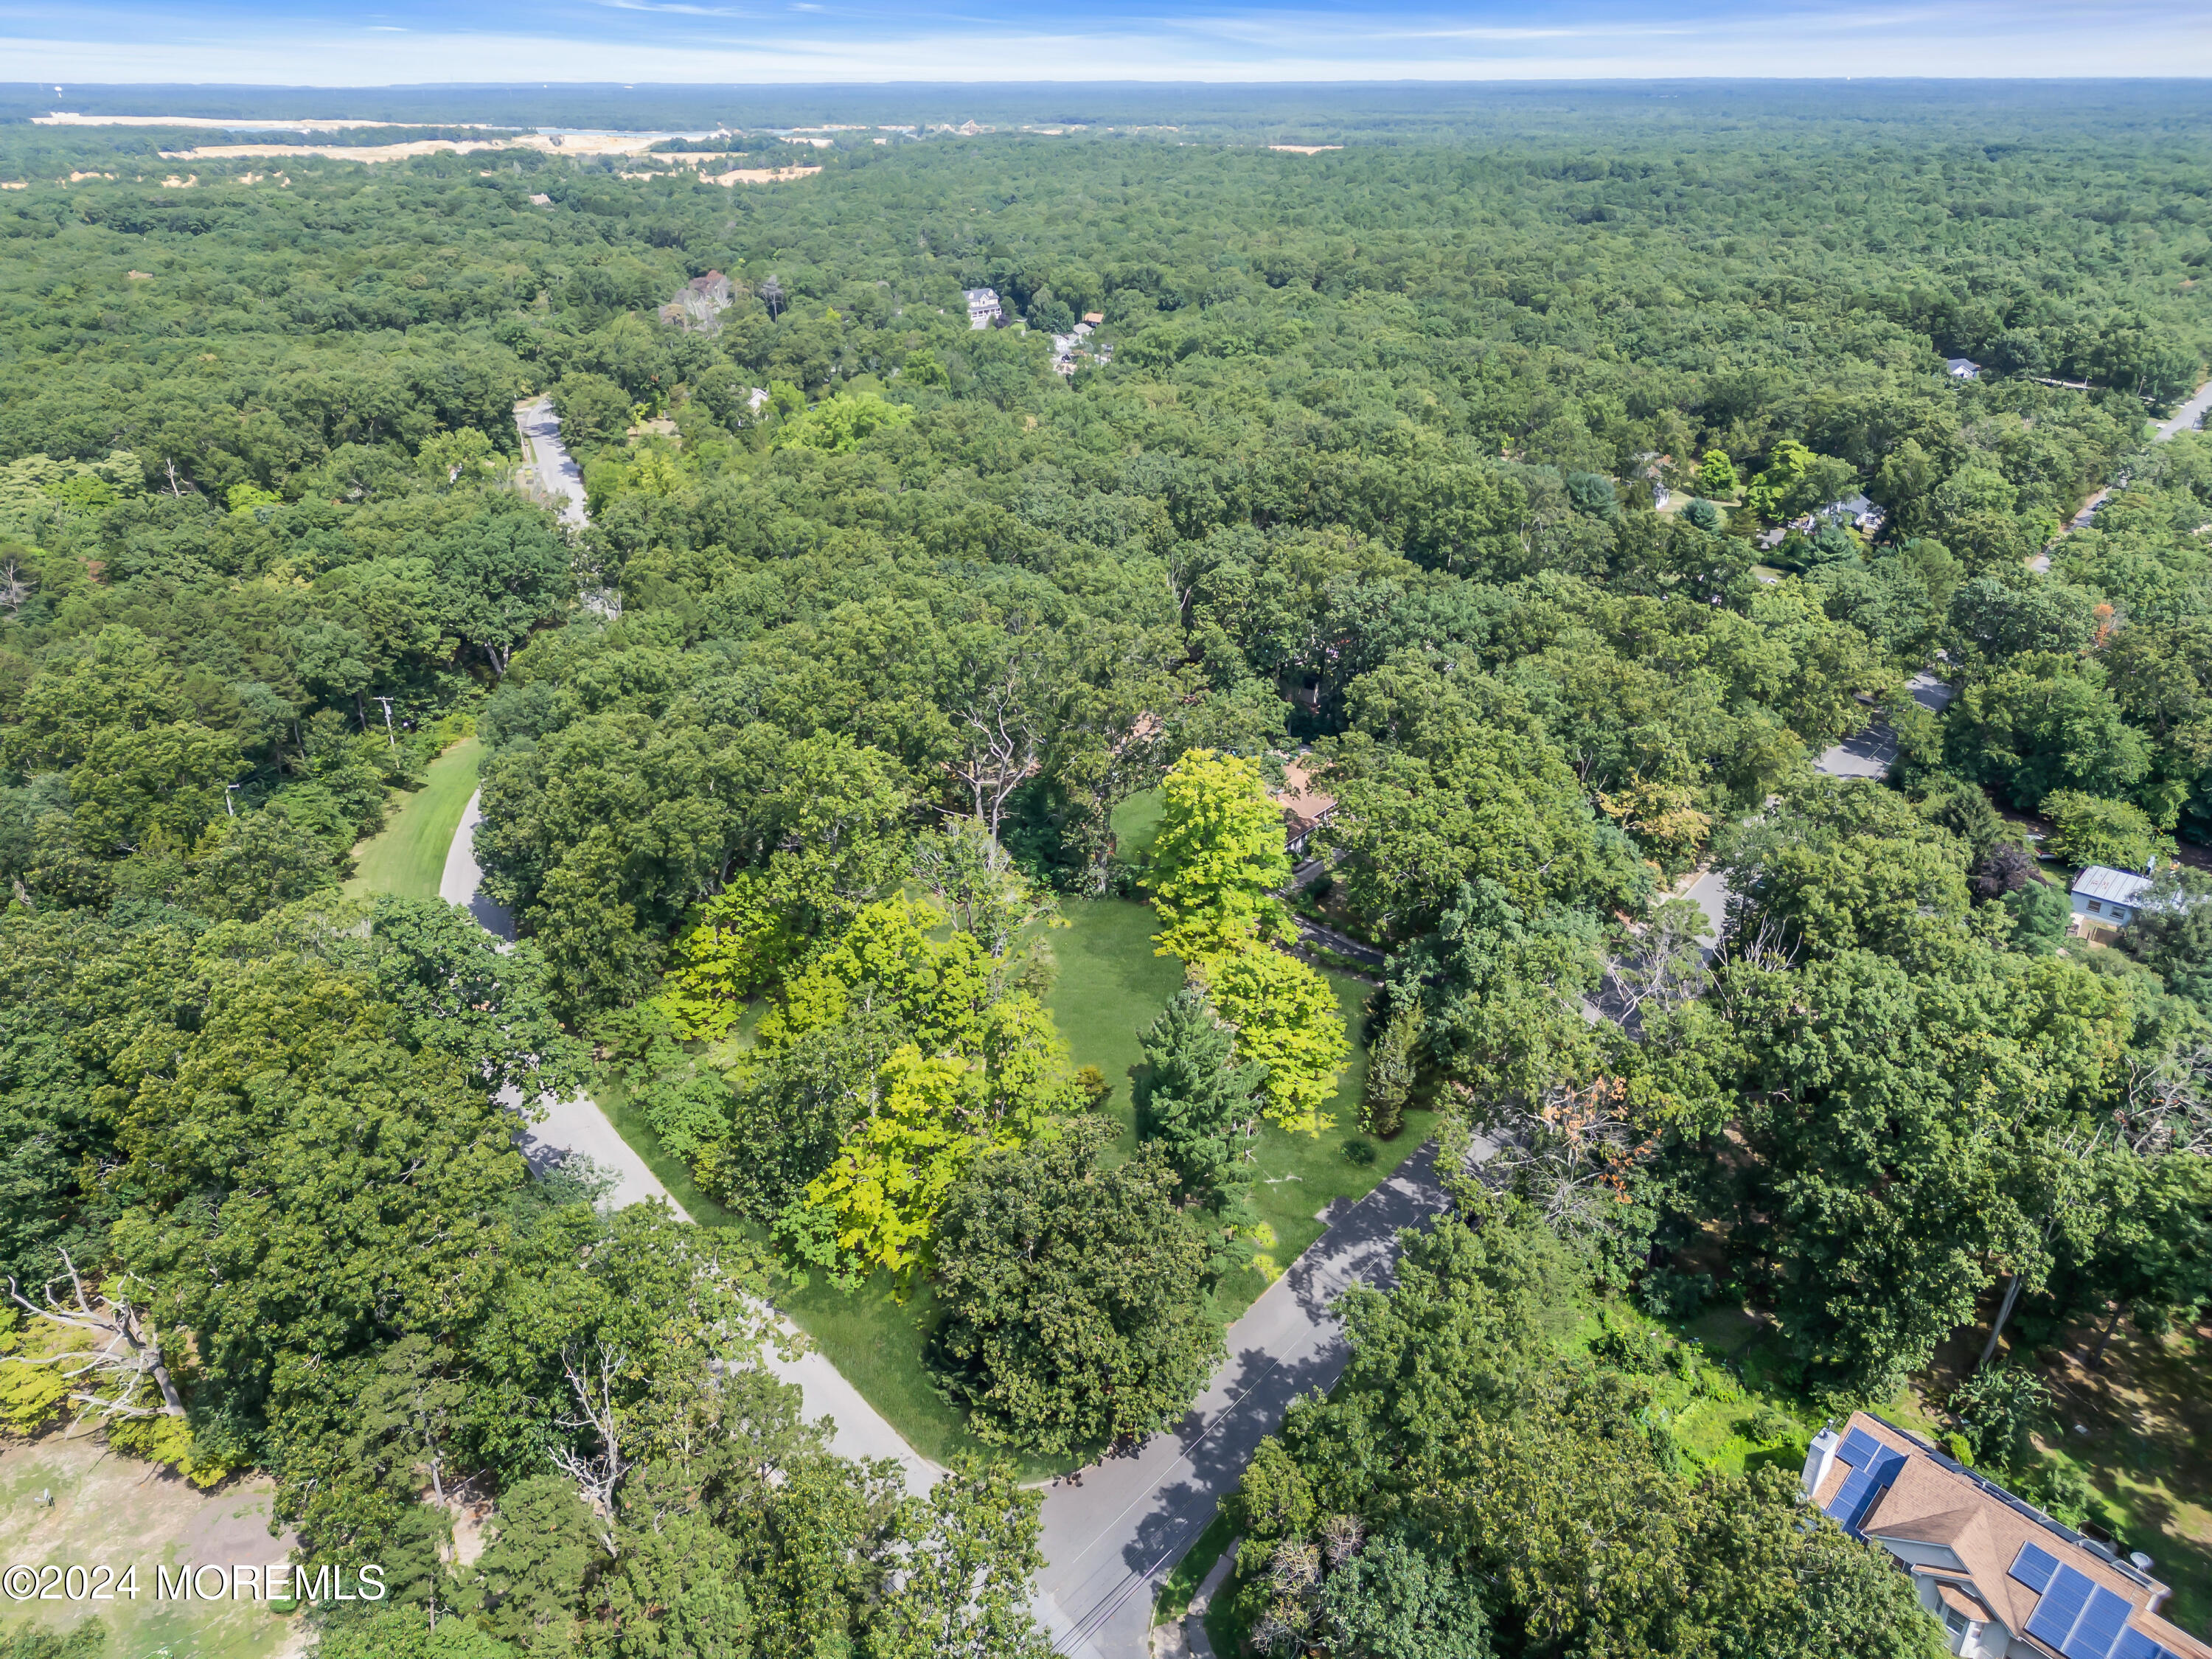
(1869, 752)
(2187, 418)
(2190, 414)
(549, 458)
(1113, 1530)
(576, 1125)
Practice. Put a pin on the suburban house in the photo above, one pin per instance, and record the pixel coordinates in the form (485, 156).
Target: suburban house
(2007, 1581)
(1305, 809)
(698, 305)
(982, 306)
(2108, 897)
(1856, 510)
(1962, 368)
(1094, 317)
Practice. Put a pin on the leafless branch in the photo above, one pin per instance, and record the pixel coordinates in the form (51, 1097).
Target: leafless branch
(126, 1356)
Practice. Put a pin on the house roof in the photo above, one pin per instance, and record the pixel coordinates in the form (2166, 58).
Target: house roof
(1956, 363)
(2100, 882)
(1963, 1599)
(1995, 1538)
(1303, 806)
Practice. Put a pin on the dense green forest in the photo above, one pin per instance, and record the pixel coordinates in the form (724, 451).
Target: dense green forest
(1504, 480)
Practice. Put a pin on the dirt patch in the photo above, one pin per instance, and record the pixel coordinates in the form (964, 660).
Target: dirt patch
(759, 175)
(72, 1503)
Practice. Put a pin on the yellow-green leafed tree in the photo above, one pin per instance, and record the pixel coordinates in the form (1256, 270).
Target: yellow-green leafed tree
(1219, 859)
(1285, 1017)
(892, 1174)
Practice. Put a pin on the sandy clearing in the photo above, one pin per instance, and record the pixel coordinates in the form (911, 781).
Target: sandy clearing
(599, 143)
(758, 175)
(64, 119)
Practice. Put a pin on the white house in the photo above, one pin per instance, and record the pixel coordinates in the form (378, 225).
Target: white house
(1962, 368)
(2006, 1580)
(1861, 514)
(2110, 898)
(982, 306)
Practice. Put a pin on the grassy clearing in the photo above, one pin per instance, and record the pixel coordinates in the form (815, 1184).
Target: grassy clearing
(1136, 823)
(114, 1510)
(1109, 987)
(2139, 1428)
(408, 857)
(1177, 1589)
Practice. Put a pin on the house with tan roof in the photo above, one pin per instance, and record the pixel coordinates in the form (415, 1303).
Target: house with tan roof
(1305, 809)
(2007, 1581)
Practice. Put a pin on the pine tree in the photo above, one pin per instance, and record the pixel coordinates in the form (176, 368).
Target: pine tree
(1390, 1069)
(1195, 1096)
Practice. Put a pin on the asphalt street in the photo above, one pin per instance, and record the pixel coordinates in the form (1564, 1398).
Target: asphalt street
(1113, 1530)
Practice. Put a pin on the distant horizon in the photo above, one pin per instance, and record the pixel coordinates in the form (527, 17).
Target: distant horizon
(1156, 84)
(785, 43)
(1694, 110)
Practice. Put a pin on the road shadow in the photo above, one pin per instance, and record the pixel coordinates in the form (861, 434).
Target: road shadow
(1361, 1245)
(491, 915)
(1865, 754)
(1179, 1508)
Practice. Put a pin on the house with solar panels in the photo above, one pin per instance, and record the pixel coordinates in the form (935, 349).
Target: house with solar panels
(2003, 1576)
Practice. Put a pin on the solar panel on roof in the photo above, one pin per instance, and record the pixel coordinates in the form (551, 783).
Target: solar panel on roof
(2134, 1645)
(1858, 1448)
(2053, 1618)
(2099, 1626)
(2033, 1567)
(1857, 1496)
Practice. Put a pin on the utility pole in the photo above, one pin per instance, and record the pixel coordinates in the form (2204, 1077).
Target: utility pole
(227, 806)
(389, 738)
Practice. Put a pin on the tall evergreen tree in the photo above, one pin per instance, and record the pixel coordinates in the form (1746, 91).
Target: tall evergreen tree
(1195, 1096)
(1390, 1069)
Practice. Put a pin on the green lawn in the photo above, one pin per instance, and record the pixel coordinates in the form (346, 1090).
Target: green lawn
(1180, 1585)
(1136, 824)
(408, 858)
(1110, 986)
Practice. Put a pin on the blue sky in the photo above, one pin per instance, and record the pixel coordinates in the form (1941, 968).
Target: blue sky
(383, 42)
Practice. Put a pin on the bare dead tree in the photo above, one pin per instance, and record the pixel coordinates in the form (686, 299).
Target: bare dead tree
(16, 588)
(592, 1377)
(1003, 740)
(1570, 1154)
(125, 1354)
(1666, 966)
(2168, 1104)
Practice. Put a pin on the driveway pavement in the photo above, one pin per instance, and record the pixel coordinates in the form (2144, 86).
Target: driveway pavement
(547, 456)
(2190, 416)
(576, 1125)
(1113, 1530)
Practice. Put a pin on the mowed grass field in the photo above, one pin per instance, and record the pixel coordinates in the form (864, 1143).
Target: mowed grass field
(71, 1502)
(1110, 986)
(408, 856)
